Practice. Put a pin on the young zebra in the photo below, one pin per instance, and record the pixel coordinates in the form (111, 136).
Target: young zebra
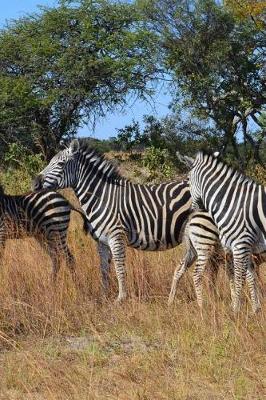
(238, 207)
(45, 215)
(201, 240)
(120, 213)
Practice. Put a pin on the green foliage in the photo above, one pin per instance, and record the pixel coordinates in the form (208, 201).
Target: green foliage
(72, 63)
(216, 63)
(69, 64)
(103, 146)
(248, 9)
(158, 163)
(172, 133)
(129, 137)
(20, 167)
(257, 172)
(154, 131)
(15, 181)
(18, 156)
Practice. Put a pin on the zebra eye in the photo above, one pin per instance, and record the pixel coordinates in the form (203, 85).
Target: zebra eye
(61, 163)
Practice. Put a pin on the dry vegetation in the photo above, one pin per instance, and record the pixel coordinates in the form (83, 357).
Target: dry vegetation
(72, 344)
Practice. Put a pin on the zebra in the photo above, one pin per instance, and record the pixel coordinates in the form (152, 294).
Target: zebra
(201, 240)
(237, 206)
(119, 212)
(45, 215)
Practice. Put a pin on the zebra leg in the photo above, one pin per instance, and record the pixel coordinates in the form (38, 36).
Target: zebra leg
(186, 263)
(229, 268)
(251, 281)
(58, 248)
(55, 264)
(3, 237)
(241, 264)
(105, 262)
(252, 285)
(198, 274)
(71, 264)
(51, 245)
(2, 248)
(213, 271)
(118, 250)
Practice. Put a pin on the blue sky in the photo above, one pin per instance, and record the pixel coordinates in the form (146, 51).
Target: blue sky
(104, 128)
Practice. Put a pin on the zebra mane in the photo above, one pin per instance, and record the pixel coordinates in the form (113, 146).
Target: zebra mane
(217, 158)
(107, 167)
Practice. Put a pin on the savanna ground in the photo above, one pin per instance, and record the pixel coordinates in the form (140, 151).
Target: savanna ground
(70, 343)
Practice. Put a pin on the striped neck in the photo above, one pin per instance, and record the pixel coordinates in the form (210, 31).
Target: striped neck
(94, 172)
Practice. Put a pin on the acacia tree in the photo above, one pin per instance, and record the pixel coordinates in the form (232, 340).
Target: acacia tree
(216, 61)
(65, 65)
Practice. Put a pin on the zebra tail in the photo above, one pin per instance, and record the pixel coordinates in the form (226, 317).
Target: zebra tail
(86, 225)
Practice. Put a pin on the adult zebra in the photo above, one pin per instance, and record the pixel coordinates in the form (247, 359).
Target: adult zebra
(238, 207)
(45, 215)
(120, 213)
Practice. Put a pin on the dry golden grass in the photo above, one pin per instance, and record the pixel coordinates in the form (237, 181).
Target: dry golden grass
(72, 344)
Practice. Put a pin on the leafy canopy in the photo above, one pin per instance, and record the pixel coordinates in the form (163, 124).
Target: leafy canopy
(216, 62)
(65, 65)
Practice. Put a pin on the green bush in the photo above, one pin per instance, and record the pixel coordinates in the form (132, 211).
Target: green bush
(158, 163)
(258, 173)
(19, 169)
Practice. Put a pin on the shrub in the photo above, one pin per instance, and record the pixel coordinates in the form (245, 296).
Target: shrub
(19, 169)
(258, 173)
(158, 163)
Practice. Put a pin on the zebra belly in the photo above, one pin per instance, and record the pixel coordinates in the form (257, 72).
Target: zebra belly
(139, 243)
(150, 244)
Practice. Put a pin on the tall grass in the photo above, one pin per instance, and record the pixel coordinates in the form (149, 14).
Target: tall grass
(70, 342)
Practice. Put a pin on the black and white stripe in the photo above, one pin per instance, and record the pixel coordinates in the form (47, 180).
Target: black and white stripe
(120, 213)
(237, 205)
(202, 244)
(45, 215)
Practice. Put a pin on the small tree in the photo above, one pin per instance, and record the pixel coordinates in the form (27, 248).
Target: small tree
(158, 163)
(128, 137)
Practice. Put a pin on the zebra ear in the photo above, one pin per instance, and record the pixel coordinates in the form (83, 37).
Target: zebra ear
(74, 146)
(188, 161)
(63, 144)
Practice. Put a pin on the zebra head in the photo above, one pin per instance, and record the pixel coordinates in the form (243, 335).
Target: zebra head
(60, 173)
